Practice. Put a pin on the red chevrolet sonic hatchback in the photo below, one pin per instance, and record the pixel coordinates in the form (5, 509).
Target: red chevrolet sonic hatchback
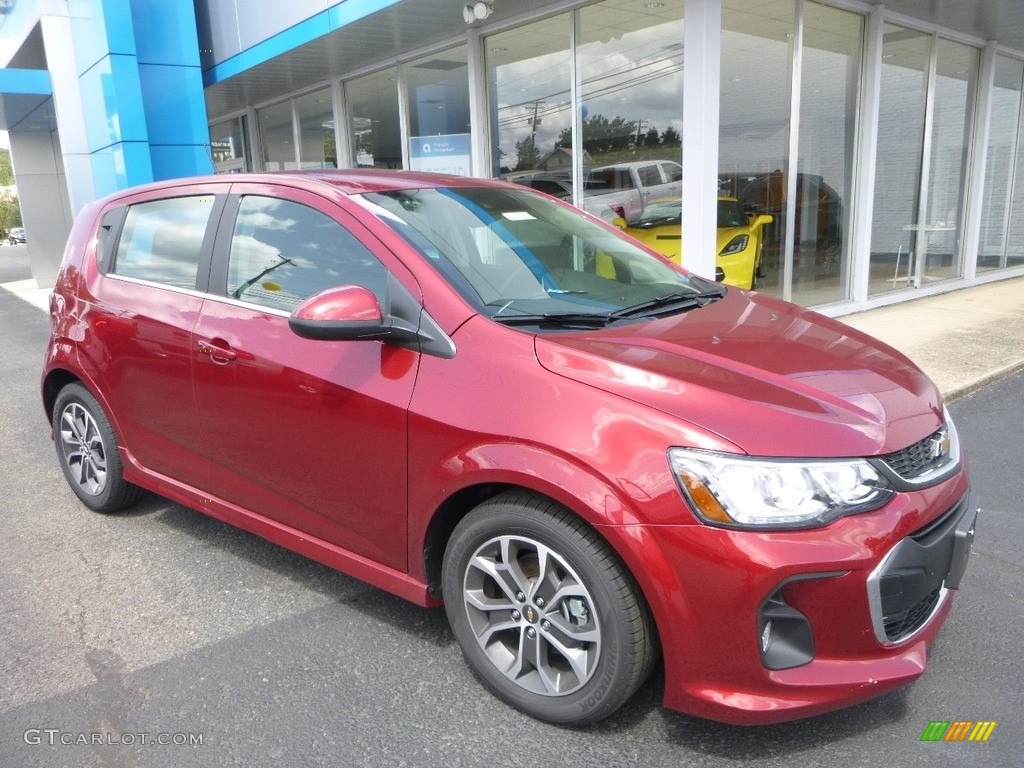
(464, 391)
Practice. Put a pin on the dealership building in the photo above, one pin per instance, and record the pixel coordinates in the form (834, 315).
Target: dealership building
(886, 140)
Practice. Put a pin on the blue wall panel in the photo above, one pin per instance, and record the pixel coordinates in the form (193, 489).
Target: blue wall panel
(174, 105)
(165, 32)
(170, 162)
(120, 166)
(142, 89)
(100, 27)
(112, 95)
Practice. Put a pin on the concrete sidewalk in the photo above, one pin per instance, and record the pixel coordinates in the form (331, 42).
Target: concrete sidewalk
(964, 340)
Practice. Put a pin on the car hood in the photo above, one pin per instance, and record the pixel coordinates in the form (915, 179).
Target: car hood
(770, 377)
(668, 238)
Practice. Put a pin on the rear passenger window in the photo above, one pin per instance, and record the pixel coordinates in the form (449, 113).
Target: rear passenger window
(650, 176)
(284, 252)
(161, 240)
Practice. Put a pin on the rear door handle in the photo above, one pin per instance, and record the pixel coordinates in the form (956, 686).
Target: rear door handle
(218, 354)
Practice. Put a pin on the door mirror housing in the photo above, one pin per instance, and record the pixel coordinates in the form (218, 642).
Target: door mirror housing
(353, 313)
(347, 312)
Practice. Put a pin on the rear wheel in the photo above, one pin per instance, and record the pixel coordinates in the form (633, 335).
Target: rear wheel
(87, 451)
(545, 613)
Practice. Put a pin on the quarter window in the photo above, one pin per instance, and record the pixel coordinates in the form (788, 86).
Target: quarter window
(161, 240)
(284, 252)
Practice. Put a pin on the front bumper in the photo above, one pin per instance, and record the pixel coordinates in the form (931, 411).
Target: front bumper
(852, 606)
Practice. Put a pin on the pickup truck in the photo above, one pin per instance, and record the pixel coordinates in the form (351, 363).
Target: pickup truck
(626, 188)
(623, 189)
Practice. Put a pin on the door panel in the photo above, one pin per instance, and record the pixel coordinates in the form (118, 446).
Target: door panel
(312, 434)
(141, 319)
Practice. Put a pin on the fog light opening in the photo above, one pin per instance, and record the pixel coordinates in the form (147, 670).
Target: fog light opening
(786, 640)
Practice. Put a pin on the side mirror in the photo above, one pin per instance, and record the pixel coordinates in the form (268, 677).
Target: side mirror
(764, 218)
(348, 312)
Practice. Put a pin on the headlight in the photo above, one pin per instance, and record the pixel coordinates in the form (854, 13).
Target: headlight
(744, 492)
(735, 245)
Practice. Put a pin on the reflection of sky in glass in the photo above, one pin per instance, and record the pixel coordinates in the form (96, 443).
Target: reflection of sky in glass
(630, 65)
(161, 241)
(633, 65)
(283, 252)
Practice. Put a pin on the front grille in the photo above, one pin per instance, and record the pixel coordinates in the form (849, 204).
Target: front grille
(906, 589)
(921, 457)
(906, 623)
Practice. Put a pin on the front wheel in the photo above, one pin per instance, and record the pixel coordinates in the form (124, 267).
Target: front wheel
(544, 612)
(87, 451)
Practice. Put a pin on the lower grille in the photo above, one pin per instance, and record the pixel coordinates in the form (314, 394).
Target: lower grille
(909, 585)
(905, 623)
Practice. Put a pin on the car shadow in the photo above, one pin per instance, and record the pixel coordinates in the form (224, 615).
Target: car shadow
(427, 624)
(430, 625)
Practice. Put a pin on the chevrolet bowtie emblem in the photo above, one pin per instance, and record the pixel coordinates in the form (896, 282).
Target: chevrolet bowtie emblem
(939, 445)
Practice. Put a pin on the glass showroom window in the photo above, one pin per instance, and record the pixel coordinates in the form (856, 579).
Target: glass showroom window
(277, 137)
(437, 88)
(1000, 244)
(631, 105)
(905, 60)
(374, 120)
(757, 55)
(228, 145)
(317, 148)
(830, 82)
(917, 230)
(956, 77)
(528, 76)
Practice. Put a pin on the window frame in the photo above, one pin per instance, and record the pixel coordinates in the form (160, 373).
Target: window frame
(216, 289)
(114, 217)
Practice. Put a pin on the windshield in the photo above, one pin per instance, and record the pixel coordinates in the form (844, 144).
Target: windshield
(730, 214)
(514, 253)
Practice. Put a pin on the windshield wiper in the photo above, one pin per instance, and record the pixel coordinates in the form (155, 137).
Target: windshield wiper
(561, 319)
(671, 302)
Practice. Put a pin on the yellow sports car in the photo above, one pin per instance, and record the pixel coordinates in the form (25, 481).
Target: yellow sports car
(739, 237)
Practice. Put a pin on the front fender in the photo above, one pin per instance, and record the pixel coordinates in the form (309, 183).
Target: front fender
(574, 485)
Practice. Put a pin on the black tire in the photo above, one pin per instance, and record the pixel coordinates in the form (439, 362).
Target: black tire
(87, 452)
(513, 634)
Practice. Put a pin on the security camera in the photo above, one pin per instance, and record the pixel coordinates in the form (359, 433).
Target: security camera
(476, 12)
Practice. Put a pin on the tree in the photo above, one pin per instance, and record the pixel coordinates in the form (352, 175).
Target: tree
(6, 169)
(527, 155)
(10, 212)
(670, 137)
(651, 138)
(601, 135)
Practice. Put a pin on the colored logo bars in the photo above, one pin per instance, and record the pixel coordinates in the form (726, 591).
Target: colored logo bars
(958, 730)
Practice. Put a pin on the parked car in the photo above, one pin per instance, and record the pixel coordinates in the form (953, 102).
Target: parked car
(740, 239)
(554, 184)
(16, 235)
(819, 211)
(463, 391)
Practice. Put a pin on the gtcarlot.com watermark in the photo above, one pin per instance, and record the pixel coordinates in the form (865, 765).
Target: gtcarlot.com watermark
(53, 737)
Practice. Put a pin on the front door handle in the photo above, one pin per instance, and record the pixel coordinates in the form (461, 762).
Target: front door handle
(218, 354)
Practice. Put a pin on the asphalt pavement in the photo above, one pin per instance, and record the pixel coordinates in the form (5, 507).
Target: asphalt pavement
(120, 631)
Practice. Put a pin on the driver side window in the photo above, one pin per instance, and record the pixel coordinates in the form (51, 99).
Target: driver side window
(283, 252)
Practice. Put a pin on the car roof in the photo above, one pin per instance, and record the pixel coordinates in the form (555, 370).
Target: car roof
(629, 164)
(347, 181)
